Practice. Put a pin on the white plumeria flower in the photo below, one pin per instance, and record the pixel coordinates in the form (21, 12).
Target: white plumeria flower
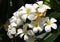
(36, 26)
(42, 7)
(25, 32)
(28, 12)
(50, 23)
(11, 30)
(16, 18)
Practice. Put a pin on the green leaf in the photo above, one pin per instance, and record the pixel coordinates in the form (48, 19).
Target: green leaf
(51, 37)
(59, 29)
(54, 4)
(41, 36)
(55, 14)
(47, 2)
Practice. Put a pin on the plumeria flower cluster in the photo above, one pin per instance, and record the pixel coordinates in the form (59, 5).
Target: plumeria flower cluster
(35, 13)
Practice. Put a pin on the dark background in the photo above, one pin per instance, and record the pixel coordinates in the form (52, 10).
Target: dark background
(6, 12)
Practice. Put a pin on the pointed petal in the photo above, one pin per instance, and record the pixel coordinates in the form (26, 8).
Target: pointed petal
(46, 7)
(13, 31)
(53, 20)
(40, 29)
(13, 24)
(30, 32)
(35, 29)
(47, 29)
(24, 17)
(19, 31)
(40, 2)
(25, 37)
(30, 25)
(54, 26)
(28, 6)
(35, 6)
(21, 35)
(19, 21)
(10, 36)
(31, 17)
(22, 8)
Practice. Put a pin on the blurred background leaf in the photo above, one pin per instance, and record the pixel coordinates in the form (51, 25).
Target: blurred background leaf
(54, 14)
(54, 4)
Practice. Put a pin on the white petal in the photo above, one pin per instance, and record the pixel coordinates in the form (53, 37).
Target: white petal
(30, 32)
(22, 7)
(25, 37)
(31, 17)
(12, 19)
(16, 13)
(28, 6)
(46, 7)
(10, 36)
(54, 26)
(21, 35)
(41, 10)
(24, 17)
(19, 31)
(47, 29)
(13, 24)
(53, 20)
(23, 11)
(19, 22)
(35, 29)
(40, 29)
(40, 2)
(30, 25)
(33, 10)
(13, 31)
(35, 6)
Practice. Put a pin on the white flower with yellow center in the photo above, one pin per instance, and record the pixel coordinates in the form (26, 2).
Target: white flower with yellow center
(42, 7)
(36, 26)
(50, 23)
(16, 18)
(28, 12)
(11, 30)
(24, 32)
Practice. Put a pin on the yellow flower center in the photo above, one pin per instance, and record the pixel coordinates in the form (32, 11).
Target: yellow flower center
(36, 24)
(41, 7)
(48, 23)
(28, 12)
(25, 31)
